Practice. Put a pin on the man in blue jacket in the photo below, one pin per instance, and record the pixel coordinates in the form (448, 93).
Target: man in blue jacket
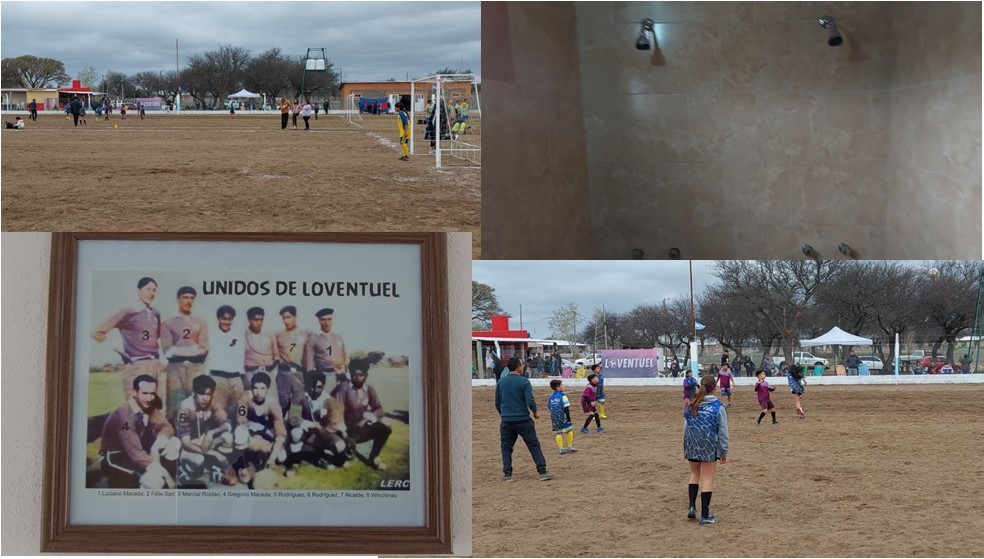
(514, 402)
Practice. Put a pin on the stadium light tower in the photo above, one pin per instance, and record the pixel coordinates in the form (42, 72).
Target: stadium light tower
(977, 331)
(315, 64)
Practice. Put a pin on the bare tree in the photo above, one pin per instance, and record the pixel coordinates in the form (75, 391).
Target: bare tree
(88, 76)
(270, 73)
(728, 318)
(779, 290)
(563, 323)
(484, 304)
(35, 72)
(948, 300)
(217, 73)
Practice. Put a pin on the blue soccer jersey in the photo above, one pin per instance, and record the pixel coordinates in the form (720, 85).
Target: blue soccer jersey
(557, 404)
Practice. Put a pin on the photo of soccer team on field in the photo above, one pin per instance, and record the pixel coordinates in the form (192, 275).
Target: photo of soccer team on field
(195, 390)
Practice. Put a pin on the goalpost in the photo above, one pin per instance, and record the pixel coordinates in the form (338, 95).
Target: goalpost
(351, 111)
(452, 129)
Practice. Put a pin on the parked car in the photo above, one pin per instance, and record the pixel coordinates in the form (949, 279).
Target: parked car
(916, 356)
(588, 360)
(805, 359)
(872, 361)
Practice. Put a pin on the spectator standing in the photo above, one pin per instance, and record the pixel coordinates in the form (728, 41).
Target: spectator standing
(852, 363)
(514, 402)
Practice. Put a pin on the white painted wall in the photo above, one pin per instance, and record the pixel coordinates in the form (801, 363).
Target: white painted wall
(26, 258)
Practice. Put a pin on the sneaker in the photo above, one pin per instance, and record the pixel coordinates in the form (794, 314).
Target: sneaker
(775, 423)
(604, 417)
(601, 429)
(692, 512)
(561, 452)
(802, 416)
(708, 519)
(571, 449)
(546, 476)
(291, 471)
(758, 422)
(585, 430)
(507, 478)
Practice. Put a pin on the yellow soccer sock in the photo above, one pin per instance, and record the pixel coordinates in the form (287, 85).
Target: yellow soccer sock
(570, 438)
(601, 411)
(560, 442)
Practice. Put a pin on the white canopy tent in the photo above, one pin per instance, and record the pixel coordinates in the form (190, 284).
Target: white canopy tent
(244, 94)
(836, 336)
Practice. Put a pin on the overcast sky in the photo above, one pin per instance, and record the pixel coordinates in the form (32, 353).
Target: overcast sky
(543, 286)
(367, 40)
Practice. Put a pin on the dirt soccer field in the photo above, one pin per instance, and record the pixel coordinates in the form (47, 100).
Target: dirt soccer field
(872, 471)
(213, 173)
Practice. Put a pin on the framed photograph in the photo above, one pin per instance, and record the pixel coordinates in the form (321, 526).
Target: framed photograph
(257, 393)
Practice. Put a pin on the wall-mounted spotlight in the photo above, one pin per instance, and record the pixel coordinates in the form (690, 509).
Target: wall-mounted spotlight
(810, 252)
(642, 43)
(847, 250)
(637, 254)
(674, 253)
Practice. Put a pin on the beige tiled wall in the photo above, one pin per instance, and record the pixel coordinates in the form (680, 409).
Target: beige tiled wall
(935, 150)
(745, 135)
(535, 176)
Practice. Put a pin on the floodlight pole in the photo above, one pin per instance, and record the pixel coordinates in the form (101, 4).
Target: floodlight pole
(975, 332)
(437, 125)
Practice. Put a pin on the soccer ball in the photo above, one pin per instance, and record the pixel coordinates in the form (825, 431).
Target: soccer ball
(934, 273)
(116, 126)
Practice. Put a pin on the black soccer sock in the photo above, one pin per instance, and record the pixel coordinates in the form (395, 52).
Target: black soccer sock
(773, 416)
(705, 504)
(587, 422)
(597, 419)
(694, 489)
(761, 415)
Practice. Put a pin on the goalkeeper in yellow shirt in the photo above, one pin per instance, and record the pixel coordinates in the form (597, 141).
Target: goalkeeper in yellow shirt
(403, 125)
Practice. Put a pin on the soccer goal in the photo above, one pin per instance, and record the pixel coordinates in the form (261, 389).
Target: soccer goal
(350, 111)
(445, 112)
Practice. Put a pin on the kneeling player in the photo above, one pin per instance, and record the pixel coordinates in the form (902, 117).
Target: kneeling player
(319, 435)
(364, 418)
(138, 448)
(205, 433)
(260, 433)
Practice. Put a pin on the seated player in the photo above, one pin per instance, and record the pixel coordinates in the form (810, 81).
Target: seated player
(18, 124)
(138, 448)
(205, 433)
(319, 436)
(260, 433)
(364, 417)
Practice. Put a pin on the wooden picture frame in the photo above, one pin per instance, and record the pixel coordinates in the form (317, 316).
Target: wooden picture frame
(61, 534)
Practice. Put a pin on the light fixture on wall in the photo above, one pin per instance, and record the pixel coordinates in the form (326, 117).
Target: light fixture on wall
(637, 254)
(674, 253)
(834, 38)
(642, 43)
(847, 250)
(810, 252)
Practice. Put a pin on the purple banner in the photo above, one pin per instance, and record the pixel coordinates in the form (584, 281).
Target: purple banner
(630, 363)
(150, 103)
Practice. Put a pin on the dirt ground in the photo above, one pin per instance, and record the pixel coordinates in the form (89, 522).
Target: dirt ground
(872, 471)
(213, 173)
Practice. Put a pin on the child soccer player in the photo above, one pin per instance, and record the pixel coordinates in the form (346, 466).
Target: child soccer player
(588, 404)
(724, 381)
(689, 388)
(762, 389)
(596, 369)
(705, 442)
(560, 416)
(403, 127)
(796, 384)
